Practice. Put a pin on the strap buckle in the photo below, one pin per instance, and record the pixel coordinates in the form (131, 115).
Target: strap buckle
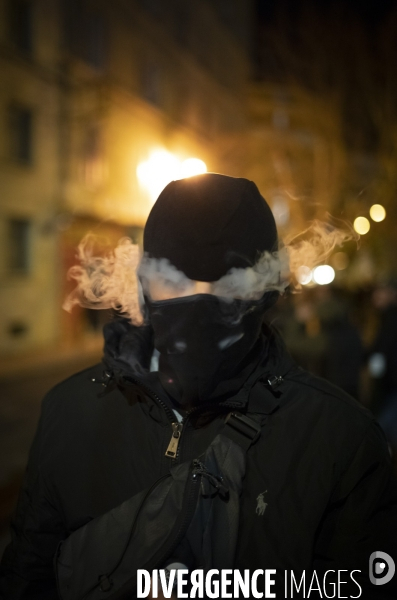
(244, 425)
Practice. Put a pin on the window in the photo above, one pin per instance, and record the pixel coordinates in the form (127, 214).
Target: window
(151, 83)
(21, 121)
(155, 7)
(95, 40)
(21, 24)
(19, 242)
(86, 33)
(280, 118)
(93, 157)
(182, 16)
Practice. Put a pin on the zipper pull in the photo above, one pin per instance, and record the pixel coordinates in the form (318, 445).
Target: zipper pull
(174, 442)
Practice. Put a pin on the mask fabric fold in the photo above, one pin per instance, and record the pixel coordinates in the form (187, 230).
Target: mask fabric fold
(203, 340)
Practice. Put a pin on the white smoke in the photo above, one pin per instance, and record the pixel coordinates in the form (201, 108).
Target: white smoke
(164, 274)
(108, 281)
(112, 281)
(315, 244)
(269, 273)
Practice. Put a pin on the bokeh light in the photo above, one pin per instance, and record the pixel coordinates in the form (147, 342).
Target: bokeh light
(280, 210)
(191, 167)
(377, 213)
(340, 261)
(323, 274)
(162, 167)
(155, 173)
(361, 225)
(304, 275)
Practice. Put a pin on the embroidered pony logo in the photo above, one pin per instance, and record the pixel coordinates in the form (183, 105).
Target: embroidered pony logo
(261, 504)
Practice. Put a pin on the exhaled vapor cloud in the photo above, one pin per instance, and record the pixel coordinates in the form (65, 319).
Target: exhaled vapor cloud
(108, 281)
(111, 281)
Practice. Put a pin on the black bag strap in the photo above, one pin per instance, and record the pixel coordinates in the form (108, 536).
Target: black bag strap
(241, 429)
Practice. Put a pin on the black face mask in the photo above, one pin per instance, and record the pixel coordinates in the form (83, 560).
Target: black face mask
(203, 340)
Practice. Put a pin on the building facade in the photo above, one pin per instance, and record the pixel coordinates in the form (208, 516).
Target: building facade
(90, 91)
(292, 147)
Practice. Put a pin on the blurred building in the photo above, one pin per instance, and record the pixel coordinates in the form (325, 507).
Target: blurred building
(90, 90)
(293, 149)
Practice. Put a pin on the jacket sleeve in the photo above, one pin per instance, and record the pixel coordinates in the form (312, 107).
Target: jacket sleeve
(26, 570)
(362, 519)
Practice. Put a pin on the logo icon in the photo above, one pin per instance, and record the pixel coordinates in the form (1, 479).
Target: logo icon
(261, 504)
(381, 568)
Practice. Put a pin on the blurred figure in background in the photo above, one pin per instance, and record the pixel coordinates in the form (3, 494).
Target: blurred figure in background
(322, 338)
(302, 333)
(343, 354)
(382, 362)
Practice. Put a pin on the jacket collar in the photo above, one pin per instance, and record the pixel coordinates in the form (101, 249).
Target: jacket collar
(128, 351)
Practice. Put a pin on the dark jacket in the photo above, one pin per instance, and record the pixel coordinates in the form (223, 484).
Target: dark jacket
(321, 466)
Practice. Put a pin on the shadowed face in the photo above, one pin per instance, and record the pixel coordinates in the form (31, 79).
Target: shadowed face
(159, 289)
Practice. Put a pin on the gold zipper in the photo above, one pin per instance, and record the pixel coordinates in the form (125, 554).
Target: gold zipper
(174, 442)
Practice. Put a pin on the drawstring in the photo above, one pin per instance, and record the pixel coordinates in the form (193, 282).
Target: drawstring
(215, 480)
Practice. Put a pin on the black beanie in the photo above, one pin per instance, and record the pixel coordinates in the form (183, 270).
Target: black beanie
(207, 224)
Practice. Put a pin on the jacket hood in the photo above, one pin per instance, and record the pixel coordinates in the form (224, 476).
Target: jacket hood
(128, 348)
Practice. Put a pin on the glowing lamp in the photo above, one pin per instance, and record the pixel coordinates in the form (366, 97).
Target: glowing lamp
(191, 167)
(377, 213)
(304, 275)
(323, 274)
(162, 167)
(361, 225)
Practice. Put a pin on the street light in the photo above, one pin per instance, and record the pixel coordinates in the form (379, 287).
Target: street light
(304, 275)
(323, 274)
(162, 167)
(377, 213)
(191, 167)
(361, 225)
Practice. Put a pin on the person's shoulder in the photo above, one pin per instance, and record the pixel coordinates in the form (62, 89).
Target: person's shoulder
(80, 393)
(324, 392)
(313, 394)
(333, 424)
(78, 383)
(331, 411)
(68, 410)
(318, 415)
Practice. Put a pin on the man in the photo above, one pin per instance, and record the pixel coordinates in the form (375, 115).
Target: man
(318, 494)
